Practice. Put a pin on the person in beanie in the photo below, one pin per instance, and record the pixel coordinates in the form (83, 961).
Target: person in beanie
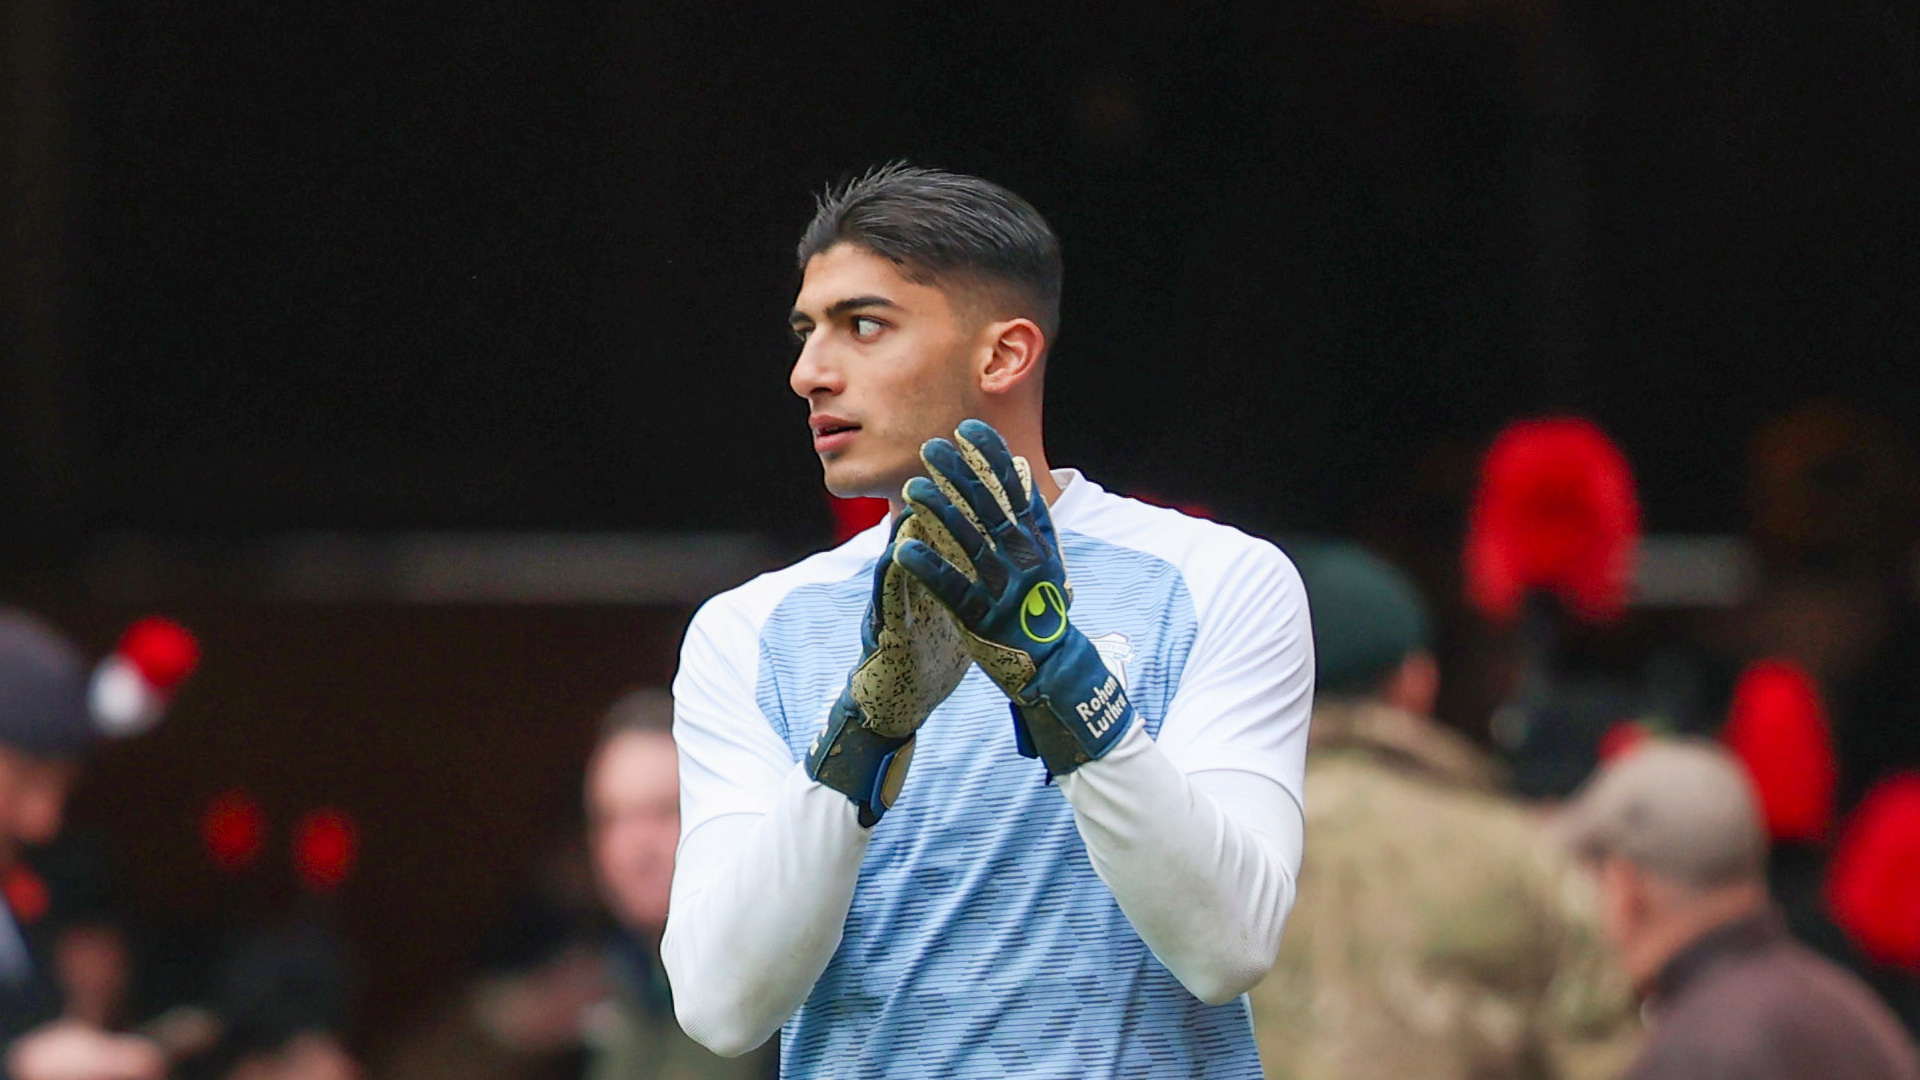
(1435, 936)
(47, 722)
(1673, 832)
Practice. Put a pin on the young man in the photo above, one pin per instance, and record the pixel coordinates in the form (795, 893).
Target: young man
(1098, 912)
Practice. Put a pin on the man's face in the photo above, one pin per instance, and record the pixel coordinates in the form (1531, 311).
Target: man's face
(1623, 915)
(884, 364)
(33, 796)
(633, 801)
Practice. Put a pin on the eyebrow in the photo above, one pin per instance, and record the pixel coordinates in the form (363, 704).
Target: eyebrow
(841, 307)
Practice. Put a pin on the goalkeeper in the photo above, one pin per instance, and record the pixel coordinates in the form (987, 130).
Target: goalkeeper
(1011, 785)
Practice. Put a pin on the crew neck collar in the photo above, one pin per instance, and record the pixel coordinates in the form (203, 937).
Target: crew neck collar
(1076, 492)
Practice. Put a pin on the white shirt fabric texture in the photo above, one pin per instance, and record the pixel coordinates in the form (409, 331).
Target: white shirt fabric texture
(1107, 923)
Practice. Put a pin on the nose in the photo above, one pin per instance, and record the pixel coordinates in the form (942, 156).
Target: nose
(814, 374)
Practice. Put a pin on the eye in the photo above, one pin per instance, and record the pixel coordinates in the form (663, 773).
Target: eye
(801, 333)
(865, 328)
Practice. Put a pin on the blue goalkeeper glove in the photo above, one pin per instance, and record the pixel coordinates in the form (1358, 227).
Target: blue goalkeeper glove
(1009, 593)
(911, 658)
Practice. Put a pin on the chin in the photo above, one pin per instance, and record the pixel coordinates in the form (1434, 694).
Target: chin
(851, 480)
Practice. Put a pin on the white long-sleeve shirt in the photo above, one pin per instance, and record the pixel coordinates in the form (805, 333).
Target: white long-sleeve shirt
(1105, 924)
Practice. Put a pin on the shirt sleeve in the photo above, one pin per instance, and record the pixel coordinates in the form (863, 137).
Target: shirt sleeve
(752, 826)
(1203, 865)
(1246, 692)
(1199, 833)
(731, 759)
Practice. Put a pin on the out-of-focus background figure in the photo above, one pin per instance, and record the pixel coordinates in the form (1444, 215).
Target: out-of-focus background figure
(571, 986)
(526, 1008)
(1437, 934)
(89, 942)
(1826, 715)
(282, 998)
(633, 820)
(1675, 837)
(47, 722)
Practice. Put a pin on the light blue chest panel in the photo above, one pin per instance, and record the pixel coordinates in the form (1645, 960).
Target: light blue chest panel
(981, 943)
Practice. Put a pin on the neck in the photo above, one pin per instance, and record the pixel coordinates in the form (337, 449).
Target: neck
(1024, 443)
(1686, 923)
(1022, 432)
(1042, 474)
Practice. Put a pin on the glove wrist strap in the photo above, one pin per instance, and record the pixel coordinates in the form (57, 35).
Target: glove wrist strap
(850, 758)
(1073, 710)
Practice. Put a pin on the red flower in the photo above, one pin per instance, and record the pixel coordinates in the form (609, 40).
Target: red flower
(1778, 728)
(1555, 510)
(1873, 883)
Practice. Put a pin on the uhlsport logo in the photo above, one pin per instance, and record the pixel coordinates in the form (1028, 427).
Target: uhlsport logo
(1043, 614)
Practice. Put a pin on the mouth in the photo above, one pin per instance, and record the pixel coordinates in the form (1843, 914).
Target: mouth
(831, 434)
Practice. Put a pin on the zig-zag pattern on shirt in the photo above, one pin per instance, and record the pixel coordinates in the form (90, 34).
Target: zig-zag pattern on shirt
(981, 943)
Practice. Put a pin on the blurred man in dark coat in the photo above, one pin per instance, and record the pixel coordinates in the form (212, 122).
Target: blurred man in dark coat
(1674, 834)
(46, 724)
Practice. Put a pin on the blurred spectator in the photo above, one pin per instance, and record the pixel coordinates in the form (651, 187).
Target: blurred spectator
(45, 726)
(1835, 501)
(94, 968)
(281, 1005)
(307, 1056)
(566, 993)
(90, 943)
(543, 972)
(1833, 491)
(546, 962)
(1435, 934)
(633, 810)
(1674, 833)
(1836, 513)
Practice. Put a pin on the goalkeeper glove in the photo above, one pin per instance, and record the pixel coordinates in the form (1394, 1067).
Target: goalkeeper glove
(911, 659)
(1009, 593)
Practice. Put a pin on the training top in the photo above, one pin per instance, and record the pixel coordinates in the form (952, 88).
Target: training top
(980, 941)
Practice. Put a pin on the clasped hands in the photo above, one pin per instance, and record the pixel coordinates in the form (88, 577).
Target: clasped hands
(972, 574)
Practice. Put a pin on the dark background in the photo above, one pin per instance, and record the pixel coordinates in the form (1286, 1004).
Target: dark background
(524, 265)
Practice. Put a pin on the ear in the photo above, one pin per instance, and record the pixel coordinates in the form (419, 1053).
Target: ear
(1015, 349)
(1620, 901)
(1415, 685)
(1635, 889)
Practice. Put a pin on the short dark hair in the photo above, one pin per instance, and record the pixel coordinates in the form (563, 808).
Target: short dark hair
(938, 225)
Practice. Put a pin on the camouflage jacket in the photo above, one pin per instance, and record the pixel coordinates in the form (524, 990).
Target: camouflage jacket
(1436, 933)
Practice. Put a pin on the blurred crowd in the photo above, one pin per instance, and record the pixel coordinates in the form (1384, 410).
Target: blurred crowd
(1679, 849)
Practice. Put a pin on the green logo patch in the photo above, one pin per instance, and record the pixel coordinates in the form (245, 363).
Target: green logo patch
(1043, 614)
